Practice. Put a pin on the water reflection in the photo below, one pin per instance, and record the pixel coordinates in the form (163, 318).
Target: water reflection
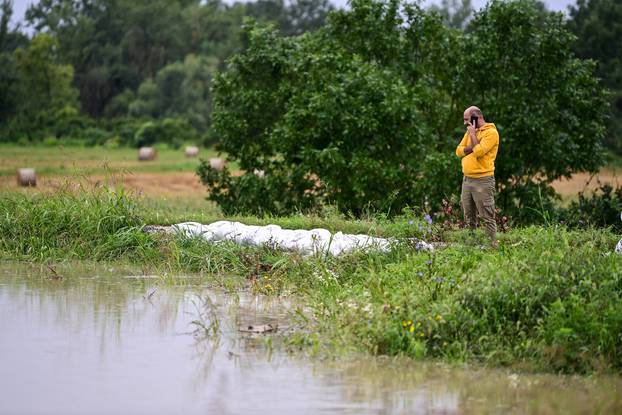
(96, 342)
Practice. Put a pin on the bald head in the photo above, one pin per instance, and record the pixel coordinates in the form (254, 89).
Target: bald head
(473, 111)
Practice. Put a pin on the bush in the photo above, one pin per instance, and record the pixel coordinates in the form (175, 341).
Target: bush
(172, 131)
(601, 209)
(95, 136)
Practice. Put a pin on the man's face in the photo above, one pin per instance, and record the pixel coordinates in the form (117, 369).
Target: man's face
(466, 118)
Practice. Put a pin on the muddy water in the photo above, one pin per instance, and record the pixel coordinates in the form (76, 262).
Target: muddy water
(103, 341)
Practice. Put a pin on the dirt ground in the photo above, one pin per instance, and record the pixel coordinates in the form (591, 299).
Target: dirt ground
(187, 184)
(181, 184)
(583, 181)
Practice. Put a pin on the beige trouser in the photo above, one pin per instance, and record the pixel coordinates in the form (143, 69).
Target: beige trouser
(478, 197)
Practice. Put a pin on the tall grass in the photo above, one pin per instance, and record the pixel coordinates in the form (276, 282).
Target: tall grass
(89, 223)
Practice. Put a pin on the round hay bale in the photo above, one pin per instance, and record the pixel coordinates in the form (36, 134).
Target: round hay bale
(192, 151)
(26, 177)
(146, 153)
(217, 163)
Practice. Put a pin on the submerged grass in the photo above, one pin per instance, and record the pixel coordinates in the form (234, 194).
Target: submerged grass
(549, 299)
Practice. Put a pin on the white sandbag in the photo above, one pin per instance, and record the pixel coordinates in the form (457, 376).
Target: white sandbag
(194, 229)
(313, 242)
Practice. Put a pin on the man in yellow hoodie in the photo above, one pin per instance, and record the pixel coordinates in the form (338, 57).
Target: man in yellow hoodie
(478, 150)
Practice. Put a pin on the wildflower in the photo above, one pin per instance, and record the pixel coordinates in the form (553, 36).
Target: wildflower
(410, 222)
(420, 274)
(439, 279)
(428, 219)
(428, 262)
(412, 329)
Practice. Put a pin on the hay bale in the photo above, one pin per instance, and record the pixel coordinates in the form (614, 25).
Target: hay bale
(146, 153)
(192, 151)
(217, 163)
(26, 177)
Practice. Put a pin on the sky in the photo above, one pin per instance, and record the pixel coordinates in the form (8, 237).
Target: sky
(20, 6)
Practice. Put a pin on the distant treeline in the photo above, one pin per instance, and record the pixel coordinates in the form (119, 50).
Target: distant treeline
(130, 72)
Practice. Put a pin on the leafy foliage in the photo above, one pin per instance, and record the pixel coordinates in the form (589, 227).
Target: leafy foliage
(173, 131)
(601, 209)
(42, 96)
(116, 45)
(363, 112)
(598, 27)
(178, 90)
(547, 104)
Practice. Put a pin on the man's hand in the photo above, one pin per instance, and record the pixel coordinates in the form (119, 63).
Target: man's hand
(468, 150)
(471, 130)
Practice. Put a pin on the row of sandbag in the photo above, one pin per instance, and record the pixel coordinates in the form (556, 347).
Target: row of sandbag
(307, 242)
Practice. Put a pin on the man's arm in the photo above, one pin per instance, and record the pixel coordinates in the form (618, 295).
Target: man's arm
(487, 143)
(468, 142)
(461, 150)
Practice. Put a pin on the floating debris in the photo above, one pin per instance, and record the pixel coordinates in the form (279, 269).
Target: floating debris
(141, 277)
(262, 328)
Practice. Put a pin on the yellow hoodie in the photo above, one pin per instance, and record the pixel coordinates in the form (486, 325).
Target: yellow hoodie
(481, 162)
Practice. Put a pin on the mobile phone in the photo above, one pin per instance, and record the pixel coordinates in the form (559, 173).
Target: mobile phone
(474, 120)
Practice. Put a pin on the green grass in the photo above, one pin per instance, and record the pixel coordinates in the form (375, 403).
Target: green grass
(550, 299)
(59, 160)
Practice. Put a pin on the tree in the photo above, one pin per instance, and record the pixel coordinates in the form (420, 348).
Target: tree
(548, 104)
(44, 93)
(7, 11)
(113, 44)
(9, 92)
(180, 89)
(455, 13)
(215, 28)
(305, 16)
(598, 27)
(9, 41)
(366, 112)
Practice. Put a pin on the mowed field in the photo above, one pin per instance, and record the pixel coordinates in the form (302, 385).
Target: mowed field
(170, 175)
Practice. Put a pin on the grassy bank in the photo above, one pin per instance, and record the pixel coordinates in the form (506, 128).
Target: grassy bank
(549, 299)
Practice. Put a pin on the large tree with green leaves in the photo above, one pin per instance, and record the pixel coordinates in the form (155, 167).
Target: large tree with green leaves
(366, 112)
(43, 89)
(598, 27)
(180, 89)
(113, 44)
(549, 106)
(10, 39)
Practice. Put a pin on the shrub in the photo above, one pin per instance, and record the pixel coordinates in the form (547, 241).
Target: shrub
(601, 208)
(172, 131)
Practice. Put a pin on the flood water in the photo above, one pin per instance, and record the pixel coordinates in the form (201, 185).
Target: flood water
(105, 341)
